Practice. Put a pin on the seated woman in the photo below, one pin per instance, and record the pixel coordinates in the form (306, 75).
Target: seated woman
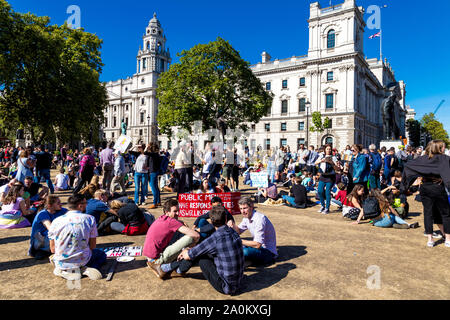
(133, 220)
(14, 209)
(389, 216)
(39, 242)
(271, 192)
(352, 206)
(396, 180)
(340, 196)
(205, 187)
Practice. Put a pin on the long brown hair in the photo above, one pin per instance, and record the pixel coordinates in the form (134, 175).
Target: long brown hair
(435, 147)
(354, 193)
(13, 193)
(382, 200)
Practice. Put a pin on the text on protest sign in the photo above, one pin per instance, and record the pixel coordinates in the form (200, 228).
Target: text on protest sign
(259, 179)
(122, 252)
(196, 204)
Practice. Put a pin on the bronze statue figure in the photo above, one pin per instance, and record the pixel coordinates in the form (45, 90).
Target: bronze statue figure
(390, 109)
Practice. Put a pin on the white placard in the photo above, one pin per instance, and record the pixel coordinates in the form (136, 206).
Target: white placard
(259, 179)
(122, 143)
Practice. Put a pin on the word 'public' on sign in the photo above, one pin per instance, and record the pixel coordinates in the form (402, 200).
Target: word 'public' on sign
(196, 204)
(259, 179)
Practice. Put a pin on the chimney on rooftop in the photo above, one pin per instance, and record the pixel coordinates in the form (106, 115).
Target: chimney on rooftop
(265, 57)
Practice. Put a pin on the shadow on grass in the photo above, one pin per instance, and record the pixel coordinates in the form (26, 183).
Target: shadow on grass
(24, 263)
(14, 239)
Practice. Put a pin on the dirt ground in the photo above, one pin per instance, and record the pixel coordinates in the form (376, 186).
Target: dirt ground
(320, 257)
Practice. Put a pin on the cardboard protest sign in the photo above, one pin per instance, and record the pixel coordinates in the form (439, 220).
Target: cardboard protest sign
(197, 204)
(122, 252)
(259, 179)
(122, 143)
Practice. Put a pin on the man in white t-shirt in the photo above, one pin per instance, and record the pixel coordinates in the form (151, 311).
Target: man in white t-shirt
(61, 180)
(73, 238)
(207, 161)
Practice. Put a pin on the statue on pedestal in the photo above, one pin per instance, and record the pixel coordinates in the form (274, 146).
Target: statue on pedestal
(124, 126)
(391, 110)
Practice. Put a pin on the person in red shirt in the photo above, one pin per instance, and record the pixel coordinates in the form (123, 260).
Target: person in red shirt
(340, 196)
(166, 238)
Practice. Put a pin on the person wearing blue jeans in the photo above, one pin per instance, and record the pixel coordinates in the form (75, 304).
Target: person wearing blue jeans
(324, 191)
(155, 189)
(260, 256)
(140, 187)
(98, 258)
(391, 220)
(44, 174)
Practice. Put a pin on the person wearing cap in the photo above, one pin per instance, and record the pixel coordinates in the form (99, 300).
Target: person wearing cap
(119, 173)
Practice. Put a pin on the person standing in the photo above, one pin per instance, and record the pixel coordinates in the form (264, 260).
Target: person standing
(24, 166)
(361, 167)
(140, 174)
(119, 173)
(107, 163)
(154, 164)
(181, 164)
(311, 161)
(375, 163)
(434, 168)
(328, 165)
(302, 155)
(86, 172)
(63, 155)
(43, 166)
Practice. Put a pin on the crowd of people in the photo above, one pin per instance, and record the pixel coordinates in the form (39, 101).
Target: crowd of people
(366, 185)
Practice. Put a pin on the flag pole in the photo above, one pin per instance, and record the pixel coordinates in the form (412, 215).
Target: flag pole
(381, 45)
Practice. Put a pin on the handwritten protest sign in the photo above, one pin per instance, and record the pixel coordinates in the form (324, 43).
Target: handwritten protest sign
(122, 143)
(196, 204)
(122, 252)
(259, 179)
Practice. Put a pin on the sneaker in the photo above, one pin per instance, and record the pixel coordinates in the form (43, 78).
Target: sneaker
(326, 211)
(400, 226)
(321, 210)
(156, 268)
(414, 225)
(73, 274)
(430, 244)
(92, 273)
(435, 235)
(447, 244)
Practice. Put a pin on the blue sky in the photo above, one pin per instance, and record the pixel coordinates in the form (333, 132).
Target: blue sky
(415, 35)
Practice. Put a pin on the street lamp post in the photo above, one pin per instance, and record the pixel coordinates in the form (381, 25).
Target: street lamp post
(148, 130)
(307, 106)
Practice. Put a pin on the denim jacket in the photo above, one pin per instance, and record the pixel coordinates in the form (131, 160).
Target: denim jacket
(361, 169)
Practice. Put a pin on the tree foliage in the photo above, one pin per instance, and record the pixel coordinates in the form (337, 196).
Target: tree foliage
(49, 78)
(434, 128)
(210, 83)
(319, 125)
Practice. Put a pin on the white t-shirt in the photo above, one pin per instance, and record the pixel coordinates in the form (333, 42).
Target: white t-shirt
(71, 233)
(209, 161)
(141, 162)
(4, 188)
(62, 181)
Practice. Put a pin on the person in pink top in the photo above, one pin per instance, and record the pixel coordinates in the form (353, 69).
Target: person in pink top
(166, 238)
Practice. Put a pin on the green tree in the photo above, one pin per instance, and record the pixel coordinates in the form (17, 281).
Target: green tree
(49, 78)
(211, 84)
(434, 128)
(414, 130)
(319, 124)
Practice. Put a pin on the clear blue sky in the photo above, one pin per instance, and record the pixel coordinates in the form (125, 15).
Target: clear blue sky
(415, 35)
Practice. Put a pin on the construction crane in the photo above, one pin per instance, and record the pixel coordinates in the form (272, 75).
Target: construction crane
(438, 107)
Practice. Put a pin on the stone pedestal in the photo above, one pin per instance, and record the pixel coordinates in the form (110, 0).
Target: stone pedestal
(391, 143)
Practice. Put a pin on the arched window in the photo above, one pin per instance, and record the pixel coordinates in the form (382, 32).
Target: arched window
(331, 39)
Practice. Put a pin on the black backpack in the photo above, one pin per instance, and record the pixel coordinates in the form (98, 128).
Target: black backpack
(371, 208)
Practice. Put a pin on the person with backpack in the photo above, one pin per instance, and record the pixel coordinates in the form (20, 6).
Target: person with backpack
(328, 165)
(375, 163)
(390, 164)
(361, 167)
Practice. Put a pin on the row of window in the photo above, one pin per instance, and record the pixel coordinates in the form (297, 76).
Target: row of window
(114, 120)
(283, 126)
(302, 82)
(329, 104)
